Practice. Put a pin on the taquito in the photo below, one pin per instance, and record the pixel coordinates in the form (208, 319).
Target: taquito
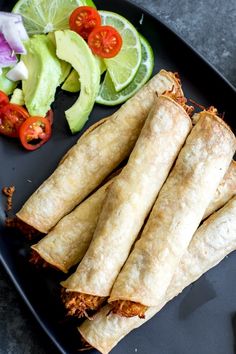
(225, 191)
(210, 244)
(128, 202)
(68, 241)
(96, 154)
(177, 212)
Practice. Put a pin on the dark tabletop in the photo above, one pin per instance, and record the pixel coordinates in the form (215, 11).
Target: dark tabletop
(210, 26)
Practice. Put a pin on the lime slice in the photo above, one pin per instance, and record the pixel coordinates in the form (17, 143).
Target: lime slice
(108, 95)
(43, 16)
(123, 67)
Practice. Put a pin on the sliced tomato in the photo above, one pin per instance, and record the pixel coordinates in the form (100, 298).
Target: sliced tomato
(50, 116)
(105, 41)
(35, 132)
(11, 118)
(83, 20)
(3, 99)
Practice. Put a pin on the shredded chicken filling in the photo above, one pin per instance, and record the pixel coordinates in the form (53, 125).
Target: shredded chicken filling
(79, 304)
(181, 100)
(8, 192)
(128, 308)
(24, 228)
(37, 260)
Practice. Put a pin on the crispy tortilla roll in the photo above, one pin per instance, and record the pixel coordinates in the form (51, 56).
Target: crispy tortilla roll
(94, 157)
(177, 212)
(131, 197)
(69, 240)
(210, 244)
(225, 191)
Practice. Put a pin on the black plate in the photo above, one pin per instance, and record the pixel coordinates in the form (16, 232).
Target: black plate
(202, 319)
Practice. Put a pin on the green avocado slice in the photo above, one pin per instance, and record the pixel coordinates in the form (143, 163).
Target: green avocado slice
(44, 74)
(72, 83)
(65, 67)
(72, 48)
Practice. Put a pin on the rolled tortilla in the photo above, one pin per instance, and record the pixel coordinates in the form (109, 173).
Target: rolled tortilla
(225, 191)
(68, 241)
(210, 244)
(94, 157)
(130, 200)
(177, 212)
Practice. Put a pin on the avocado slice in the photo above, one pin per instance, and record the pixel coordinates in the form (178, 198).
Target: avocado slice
(44, 74)
(65, 71)
(72, 48)
(65, 67)
(72, 83)
(6, 85)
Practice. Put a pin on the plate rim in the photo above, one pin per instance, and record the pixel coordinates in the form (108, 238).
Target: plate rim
(185, 41)
(30, 306)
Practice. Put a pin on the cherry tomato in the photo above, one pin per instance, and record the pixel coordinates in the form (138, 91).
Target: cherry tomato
(105, 41)
(49, 116)
(35, 132)
(11, 118)
(3, 99)
(83, 20)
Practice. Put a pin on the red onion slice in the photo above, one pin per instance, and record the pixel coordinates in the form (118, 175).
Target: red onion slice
(7, 57)
(12, 37)
(12, 27)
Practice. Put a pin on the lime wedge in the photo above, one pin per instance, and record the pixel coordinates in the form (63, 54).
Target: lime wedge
(108, 95)
(123, 67)
(43, 16)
